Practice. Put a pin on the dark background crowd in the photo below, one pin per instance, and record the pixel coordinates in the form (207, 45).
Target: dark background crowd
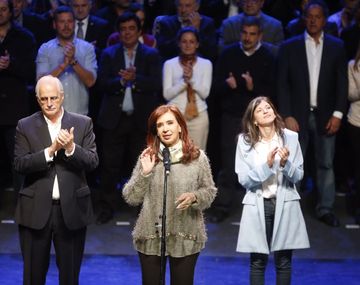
(36, 39)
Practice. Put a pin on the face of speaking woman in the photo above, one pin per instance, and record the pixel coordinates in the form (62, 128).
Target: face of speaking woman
(168, 129)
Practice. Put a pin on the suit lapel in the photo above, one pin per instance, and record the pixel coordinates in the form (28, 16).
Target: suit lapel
(43, 130)
(138, 55)
(89, 30)
(66, 122)
(326, 54)
(304, 63)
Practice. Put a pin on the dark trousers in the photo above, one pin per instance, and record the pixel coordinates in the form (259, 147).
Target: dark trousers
(258, 261)
(7, 140)
(120, 149)
(36, 245)
(227, 179)
(182, 269)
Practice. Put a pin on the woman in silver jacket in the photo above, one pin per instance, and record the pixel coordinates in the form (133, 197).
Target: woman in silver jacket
(269, 163)
(191, 189)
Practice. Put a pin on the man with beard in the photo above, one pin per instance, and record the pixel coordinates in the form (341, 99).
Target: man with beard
(70, 59)
(167, 27)
(245, 70)
(272, 29)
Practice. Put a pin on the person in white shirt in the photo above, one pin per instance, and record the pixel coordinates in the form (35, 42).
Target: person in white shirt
(353, 126)
(186, 83)
(269, 163)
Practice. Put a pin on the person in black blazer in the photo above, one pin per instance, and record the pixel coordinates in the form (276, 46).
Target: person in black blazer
(130, 78)
(33, 22)
(312, 90)
(95, 30)
(53, 149)
(17, 70)
(166, 28)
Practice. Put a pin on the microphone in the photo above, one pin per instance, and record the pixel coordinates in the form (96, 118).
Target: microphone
(166, 160)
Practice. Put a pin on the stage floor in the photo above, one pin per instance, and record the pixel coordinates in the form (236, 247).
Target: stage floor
(334, 256)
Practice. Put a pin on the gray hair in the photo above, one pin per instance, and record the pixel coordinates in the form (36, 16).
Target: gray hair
(49, 79)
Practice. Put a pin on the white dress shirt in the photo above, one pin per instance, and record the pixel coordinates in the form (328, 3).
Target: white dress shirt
(314, 56)
(263, 148)
(54, 129)
(84, 26)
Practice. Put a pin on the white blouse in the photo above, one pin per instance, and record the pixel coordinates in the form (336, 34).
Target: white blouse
(174, 86)
(354, 94)
(263, 148)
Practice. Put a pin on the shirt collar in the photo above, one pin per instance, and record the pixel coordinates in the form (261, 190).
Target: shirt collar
(58, 121)
(135, 48)
(275, 138)
(85, 21)
(310, 38)
(249, 53)
(74, 40)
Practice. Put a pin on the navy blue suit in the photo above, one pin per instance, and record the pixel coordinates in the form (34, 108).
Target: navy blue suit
(293, 87)
(293, 91)
(123, 134)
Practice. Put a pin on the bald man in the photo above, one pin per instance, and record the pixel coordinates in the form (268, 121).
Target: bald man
(53, 149)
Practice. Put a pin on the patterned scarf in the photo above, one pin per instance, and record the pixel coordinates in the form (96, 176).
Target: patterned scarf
(191, 110)
(176, 152)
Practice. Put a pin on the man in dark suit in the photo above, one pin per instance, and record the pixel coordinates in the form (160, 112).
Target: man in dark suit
(130, 78)
(312, 91)
(53, 150)
(89, 27)
(17, 69)
(166, 28)
(33, 22)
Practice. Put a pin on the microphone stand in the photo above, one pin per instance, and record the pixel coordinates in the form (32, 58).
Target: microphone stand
(163, 232)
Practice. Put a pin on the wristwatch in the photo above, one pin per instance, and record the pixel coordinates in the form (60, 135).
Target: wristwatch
(73, 62)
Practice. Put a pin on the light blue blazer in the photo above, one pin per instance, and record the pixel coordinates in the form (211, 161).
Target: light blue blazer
(289, 226)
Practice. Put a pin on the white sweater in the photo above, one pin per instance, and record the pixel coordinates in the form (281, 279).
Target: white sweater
(174, 86)
(354, 94)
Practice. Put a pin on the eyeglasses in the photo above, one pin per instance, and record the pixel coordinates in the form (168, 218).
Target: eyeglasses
(46, 99)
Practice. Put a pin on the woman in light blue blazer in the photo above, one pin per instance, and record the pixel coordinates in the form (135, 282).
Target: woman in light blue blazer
(269, 163)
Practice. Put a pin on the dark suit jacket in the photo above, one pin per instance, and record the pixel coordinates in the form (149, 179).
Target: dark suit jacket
(38, 26)
(35, 199)
(166, 30)
(293, 87)
(97, 30)
(145, 90)
(14, 100)
(351, 37)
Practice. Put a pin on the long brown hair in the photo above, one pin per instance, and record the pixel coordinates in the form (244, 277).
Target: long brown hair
(357, 59)
(190, 151)
(250, 131)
